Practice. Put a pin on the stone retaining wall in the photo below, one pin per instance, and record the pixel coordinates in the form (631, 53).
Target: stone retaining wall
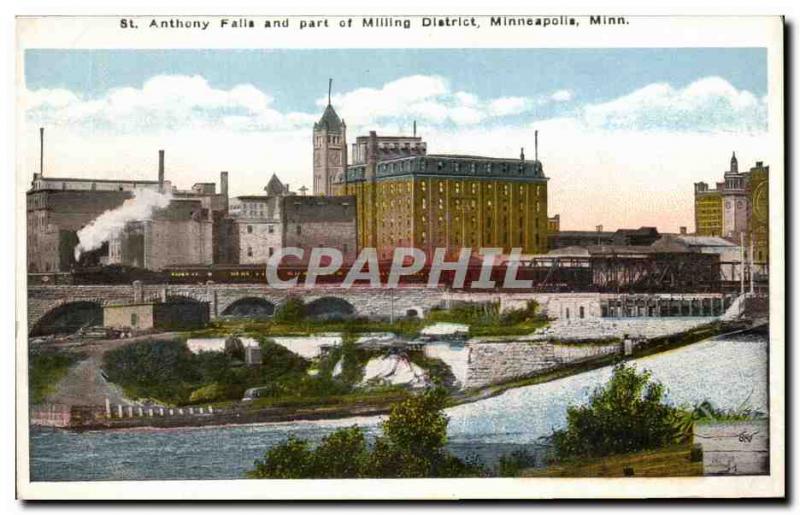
(497, 362)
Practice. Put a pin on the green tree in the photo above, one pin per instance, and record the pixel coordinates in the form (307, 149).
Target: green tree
(340, 455)
(412, 445)
(292, 310)
(626, 415)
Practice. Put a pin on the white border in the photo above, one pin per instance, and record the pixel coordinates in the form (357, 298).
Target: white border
(667, 32)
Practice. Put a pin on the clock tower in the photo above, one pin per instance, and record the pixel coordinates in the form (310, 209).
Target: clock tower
(330, 149)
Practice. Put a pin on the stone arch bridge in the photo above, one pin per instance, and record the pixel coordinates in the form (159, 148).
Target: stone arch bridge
(85, 301)
(224, 299)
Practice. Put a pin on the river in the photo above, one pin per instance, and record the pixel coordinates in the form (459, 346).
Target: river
(727, 372)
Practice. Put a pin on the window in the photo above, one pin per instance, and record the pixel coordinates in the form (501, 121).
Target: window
(249, 252)
(581, 313)
(271, 229)
(249, 229)
(134, 320)
(299, 229)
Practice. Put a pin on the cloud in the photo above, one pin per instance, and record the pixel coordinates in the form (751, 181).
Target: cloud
(562, 95)
(429, 99)
(162, 102)
(710, 104)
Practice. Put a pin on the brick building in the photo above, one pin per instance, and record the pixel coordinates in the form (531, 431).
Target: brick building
(57, 207)
(317, 221)
(406, 197)
(255, 224)
(182, 233)
(737, 205)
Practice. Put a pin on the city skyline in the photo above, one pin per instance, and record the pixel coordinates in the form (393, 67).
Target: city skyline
(613, 123)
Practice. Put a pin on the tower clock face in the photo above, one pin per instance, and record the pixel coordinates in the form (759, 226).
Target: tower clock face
(760, 202)
(333, 159)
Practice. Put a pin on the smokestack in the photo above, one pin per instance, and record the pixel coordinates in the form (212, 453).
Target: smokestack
(536, 145)
(415, 128)
(161, 171)
(41, 151)
(223, 183)
(223, 189)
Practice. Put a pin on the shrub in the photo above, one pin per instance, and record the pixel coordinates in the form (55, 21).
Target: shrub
(705, 411)
(210, 393)
(289, 460)
(626, 415)
(512, 464)
(157, 369)
(292, 310)
(340, 455)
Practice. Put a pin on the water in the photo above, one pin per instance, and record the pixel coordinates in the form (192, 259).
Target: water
(725, 372)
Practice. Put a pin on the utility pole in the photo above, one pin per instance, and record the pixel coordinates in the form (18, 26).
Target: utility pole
(752, 250)
(41, 151)
(741, 263)
(391, 303)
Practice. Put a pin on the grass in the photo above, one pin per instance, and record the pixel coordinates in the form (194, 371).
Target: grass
(674, 461)
(406, 327)
(373, 397)
(45, 369)
(483, 319)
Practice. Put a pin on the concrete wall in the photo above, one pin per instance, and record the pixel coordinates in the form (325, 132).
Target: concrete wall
(121, 316)
(734, 448)
(497, 362)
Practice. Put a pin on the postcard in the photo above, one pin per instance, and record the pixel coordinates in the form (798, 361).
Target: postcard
(400, 257)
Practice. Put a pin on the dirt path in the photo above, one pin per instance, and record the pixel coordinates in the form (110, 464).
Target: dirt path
(84, 384)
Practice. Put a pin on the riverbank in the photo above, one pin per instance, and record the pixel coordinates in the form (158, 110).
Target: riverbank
(725, 372)
(674, 461)
(353, 405)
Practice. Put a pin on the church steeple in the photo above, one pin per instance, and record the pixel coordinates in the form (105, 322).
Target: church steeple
(734, 163)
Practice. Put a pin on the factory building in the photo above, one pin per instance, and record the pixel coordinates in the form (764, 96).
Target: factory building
(181, 233)
(317, 221)
(406, 197)
(254, 226)
(58, 207)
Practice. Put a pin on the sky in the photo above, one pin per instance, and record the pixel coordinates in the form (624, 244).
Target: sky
(623, 133)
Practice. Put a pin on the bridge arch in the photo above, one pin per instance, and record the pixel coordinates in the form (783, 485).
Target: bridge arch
(329, 308)
(69, 317)
(250, 307)
(177, 297)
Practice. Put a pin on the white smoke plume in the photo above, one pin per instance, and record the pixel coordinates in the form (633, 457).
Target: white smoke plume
(110, 224)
